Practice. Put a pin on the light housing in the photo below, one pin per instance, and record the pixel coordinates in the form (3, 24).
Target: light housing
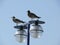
(20, 35)
(36, 31)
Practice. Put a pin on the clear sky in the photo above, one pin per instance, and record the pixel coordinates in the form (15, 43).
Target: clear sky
(49, 10)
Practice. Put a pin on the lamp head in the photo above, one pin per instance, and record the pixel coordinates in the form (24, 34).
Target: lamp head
(36, 31)
(20, 35)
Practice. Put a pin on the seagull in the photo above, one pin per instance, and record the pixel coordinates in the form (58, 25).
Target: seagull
(32, 15)
(17, 21)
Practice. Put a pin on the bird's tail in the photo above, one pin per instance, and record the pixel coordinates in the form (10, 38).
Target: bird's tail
(39, 17)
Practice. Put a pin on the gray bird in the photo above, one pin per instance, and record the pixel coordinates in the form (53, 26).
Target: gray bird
(17, 21)
(32, 15)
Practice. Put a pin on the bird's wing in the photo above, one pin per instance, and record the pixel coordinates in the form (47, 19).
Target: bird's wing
(17, 20)
(20, 21)
(34, 14)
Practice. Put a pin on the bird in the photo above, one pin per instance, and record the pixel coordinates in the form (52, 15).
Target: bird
(17, 21)
(32, 15)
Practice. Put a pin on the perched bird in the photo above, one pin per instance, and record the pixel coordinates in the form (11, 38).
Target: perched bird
(17, 21)
(32, 15)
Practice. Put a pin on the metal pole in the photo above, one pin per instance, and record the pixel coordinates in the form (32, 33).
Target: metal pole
(28, 35)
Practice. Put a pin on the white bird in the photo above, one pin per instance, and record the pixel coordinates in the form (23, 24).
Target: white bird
(17, 21)
(32, 15)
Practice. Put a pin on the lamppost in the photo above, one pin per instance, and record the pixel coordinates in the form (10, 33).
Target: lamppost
(33, 27)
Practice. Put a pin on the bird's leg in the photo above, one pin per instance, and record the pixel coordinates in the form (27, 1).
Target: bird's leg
(32, 19)
(37, 18)
(16, 24)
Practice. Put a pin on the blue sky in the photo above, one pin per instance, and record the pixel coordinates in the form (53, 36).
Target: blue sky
(49, 10)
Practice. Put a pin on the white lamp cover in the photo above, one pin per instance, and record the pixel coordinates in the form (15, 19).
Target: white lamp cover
(36, 31)
(20, 35)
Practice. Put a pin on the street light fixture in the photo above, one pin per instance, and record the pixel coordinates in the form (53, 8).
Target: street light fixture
(36, 31)
(20, 35)
(33, 27)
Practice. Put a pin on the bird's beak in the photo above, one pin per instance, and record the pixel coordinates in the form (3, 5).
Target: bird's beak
(11, 17)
